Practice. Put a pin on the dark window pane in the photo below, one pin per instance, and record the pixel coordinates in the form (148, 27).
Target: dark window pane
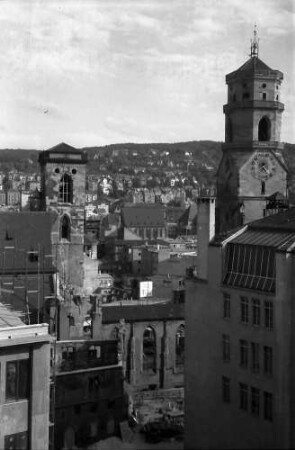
(268, 412)
(226, 389)
(11, 380)
(23, 378)
(17, 380)
(17, 441)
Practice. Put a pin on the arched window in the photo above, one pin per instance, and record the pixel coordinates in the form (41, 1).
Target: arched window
(66, 189)
(65, 228)
(179, 347)
(149, 349)
(263, 187)
(264, 129)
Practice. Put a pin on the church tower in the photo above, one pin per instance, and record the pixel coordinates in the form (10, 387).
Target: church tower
(252, 166)
(63, 181)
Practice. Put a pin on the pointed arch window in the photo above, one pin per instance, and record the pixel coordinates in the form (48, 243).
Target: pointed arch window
(149, 350)
(179, 346)
(65, 228)
(264, 128)
(262, 187)
(66, 189)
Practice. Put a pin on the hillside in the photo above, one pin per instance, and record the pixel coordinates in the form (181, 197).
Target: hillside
(200, 157)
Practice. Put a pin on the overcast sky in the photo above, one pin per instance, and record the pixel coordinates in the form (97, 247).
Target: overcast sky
(96, 72)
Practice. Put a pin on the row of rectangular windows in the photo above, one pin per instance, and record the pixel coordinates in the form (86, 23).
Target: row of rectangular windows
(247, 348)
(249, 399)
(256, 317)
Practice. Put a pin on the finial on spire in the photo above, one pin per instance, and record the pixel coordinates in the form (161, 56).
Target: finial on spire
(254, 43)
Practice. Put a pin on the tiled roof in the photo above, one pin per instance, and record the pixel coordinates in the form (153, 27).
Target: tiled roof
(254, 66)
(174, 213)
(143, 217)
(63, 152)
(63, 148)
(284, 221)
(142, 313)
(27, 294)
(8, 317)
(277, 196)
(26, 262)
(23, 232)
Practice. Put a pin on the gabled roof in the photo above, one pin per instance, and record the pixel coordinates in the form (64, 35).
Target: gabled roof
(239, 158)
(8, 317)
(62, 147)
(63, 153)
(276, 196)
(143, 217)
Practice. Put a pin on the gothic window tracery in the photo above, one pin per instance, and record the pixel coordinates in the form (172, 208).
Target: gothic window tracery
(149, 349)
(66, 189)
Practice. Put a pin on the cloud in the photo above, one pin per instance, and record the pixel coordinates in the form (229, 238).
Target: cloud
(129, 69)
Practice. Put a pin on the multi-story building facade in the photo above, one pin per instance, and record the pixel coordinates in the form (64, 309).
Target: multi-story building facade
(239, 356)
(239, 360)
(88, 404)
(24, 389)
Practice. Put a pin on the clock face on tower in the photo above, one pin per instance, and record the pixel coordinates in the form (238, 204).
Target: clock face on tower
(263, 165)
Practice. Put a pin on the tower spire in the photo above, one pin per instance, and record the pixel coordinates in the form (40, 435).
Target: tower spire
(254, 43)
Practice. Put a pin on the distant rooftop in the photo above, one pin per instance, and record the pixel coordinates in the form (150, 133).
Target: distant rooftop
(282, 221)
(143, 217)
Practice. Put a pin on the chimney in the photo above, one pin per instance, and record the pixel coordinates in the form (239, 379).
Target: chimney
(205, 232)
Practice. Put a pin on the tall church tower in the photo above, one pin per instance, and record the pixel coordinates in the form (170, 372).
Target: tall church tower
(252, 166)
(63, 181)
